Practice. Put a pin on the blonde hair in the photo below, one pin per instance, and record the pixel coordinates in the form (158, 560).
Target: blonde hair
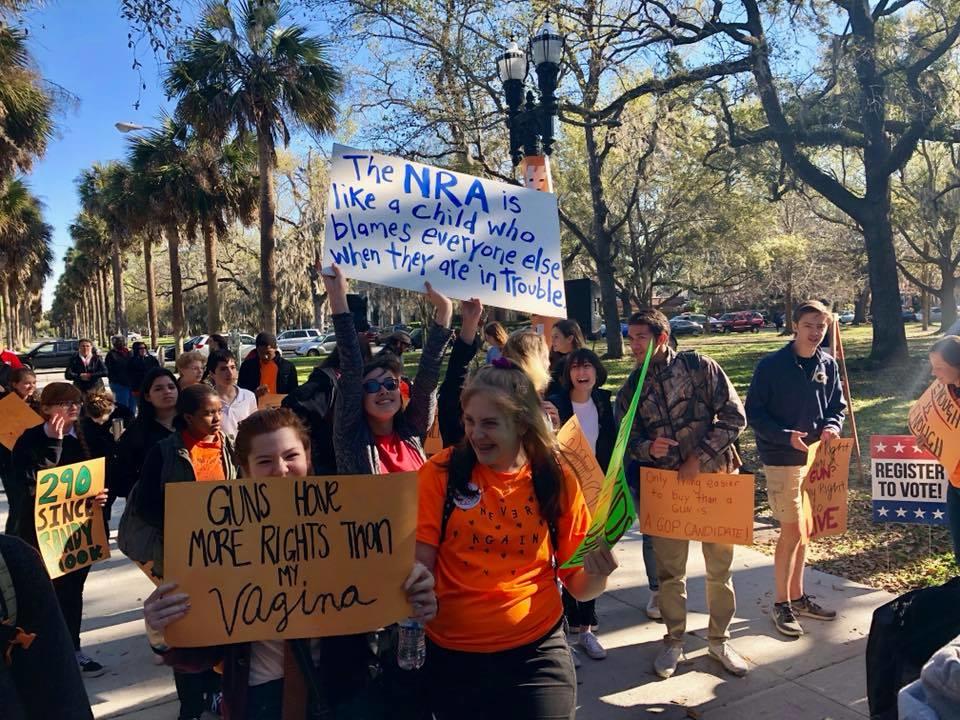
(530, 352)
(188, 358)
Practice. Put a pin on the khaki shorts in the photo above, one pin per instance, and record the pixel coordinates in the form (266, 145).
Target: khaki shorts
(783, 491)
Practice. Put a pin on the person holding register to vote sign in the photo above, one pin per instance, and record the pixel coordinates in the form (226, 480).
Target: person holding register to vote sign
(276, 679)
(687, 420)
(795, 399)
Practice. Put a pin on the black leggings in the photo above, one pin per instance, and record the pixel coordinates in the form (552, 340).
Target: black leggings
(69, 590)
(579, 614)
(531, 682)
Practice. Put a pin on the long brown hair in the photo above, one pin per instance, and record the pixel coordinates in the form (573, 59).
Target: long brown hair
(515, 395)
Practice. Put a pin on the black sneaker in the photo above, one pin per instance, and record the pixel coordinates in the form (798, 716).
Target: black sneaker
(88, 666)
(785, 620)
(808, 608)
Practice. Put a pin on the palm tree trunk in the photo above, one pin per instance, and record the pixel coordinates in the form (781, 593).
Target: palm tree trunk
(119, 302)
(268, 262)
(176, 284)
(105, 294)
(213, 290)
(7, 327)
(101, 318)
(151, 288)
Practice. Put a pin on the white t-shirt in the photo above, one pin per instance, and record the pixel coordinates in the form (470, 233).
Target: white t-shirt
(589, 421)
(266, 660)
(243, 406)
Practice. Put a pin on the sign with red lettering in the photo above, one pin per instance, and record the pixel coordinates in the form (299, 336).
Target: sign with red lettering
(825, 487)
(909, 483)
(713, 507)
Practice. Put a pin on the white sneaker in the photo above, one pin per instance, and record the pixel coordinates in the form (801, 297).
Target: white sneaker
(667, 659)
(591, 646)
(731, 660)
(653, 606)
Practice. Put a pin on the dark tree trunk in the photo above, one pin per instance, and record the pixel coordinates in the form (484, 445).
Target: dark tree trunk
(119, 302)
(210, 264)
(788, 310)
(151, 288)
(176, 285)
(268, 249)
(625, 302)
(948, 298)
(889, 335)
(861, 304)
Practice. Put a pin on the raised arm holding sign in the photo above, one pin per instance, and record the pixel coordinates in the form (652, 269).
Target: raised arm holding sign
(935, 421)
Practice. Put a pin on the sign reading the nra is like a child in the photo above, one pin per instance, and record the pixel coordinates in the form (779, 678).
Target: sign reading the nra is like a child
(909, 483)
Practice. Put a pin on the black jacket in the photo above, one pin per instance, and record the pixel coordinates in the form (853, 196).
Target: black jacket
(781, 398)
(138, 367)
(96, 368)
(100, 442)
(140, 436)
(449, 412)
(26, 690)
(313, 402)
(249, 378)
(33, 452)
(118, 372)
(603, 399)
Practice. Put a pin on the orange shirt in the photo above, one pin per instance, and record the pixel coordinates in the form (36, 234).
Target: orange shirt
(206, 458)
(268, 375)
(493, 573)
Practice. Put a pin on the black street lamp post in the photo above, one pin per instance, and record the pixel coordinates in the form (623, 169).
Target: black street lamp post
(530, 122)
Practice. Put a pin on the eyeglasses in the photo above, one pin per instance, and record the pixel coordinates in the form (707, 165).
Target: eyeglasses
(68, 404)
(372, 387)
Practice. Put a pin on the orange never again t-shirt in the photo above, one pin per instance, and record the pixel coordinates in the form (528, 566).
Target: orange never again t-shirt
(206, 458)
(494, 576)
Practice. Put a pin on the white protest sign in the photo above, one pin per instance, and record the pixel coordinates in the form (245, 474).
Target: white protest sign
(399, 223)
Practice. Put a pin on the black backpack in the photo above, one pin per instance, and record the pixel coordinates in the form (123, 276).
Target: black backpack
(904, 634)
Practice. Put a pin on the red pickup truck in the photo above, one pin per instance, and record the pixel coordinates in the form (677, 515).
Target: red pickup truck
(744, 321)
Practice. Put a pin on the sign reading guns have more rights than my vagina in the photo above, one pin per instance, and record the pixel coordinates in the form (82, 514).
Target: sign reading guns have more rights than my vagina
(399, 223)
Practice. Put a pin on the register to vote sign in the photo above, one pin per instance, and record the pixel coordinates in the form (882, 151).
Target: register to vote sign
(909, 484)
(400, 223)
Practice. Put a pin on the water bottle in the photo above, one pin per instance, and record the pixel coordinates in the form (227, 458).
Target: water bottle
(411, 646)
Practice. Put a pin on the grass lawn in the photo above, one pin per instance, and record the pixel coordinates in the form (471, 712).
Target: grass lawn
(891, 556)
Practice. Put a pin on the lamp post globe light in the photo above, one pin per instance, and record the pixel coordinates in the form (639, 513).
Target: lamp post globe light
(531, 123)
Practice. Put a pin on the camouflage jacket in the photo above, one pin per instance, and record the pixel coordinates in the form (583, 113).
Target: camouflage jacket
(686, 397)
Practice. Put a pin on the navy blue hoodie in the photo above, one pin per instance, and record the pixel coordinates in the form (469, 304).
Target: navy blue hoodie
(783, 398)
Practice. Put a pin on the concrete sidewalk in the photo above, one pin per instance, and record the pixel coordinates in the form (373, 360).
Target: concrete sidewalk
(820, 675)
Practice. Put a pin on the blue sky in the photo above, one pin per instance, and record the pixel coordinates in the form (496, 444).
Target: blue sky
(81, 45)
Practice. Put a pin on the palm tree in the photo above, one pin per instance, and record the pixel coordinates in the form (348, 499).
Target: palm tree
(26, 108)
(25, 256)
(91, 238)
(242, 70)
(104, 192)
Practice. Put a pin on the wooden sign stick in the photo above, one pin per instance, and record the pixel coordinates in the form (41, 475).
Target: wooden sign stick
(842, 360)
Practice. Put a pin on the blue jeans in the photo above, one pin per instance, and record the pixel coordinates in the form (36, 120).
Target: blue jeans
(953, 515)
(649, 560)
(124, 396)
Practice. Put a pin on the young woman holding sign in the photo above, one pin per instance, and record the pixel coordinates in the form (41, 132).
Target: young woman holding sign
(23, 382)
(497, 516)
(270, 679)
(581, 376)
(57, 441)
(945, 367)
(373, 432)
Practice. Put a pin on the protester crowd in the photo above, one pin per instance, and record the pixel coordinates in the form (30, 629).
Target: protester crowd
(504, 631)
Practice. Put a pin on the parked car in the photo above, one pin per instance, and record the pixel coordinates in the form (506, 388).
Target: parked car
(199, 343)
(314, 347)
(289, 340)
(908, 315)
(388, 330)
(683, 326)
(50, 354)
(623, 329)
(742, 321)
(715, 324)
(846, 317)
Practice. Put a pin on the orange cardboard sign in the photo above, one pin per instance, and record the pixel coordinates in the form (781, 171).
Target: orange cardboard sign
(270, 400)
(304, 557)
(713, 507)
(824, 489)
(15, 417)
(934, 420)
(70, 531)
(577, 455)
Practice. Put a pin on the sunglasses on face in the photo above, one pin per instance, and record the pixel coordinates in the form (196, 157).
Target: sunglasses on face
(371, 387)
